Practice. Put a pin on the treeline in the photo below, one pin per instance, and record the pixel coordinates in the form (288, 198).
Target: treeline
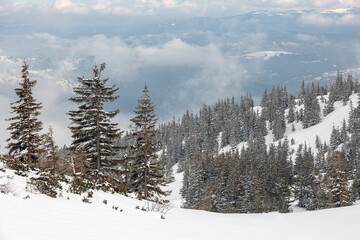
(261, 178)
(93, 158)
(219, 174)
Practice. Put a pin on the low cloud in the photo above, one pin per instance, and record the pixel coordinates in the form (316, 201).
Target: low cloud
(315, 19)
(178, 74)
(306, 37)
(319, 19)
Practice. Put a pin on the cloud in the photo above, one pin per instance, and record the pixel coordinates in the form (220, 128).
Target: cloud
(306, 37)
(348, 20)
(315, 19)
(179, 75)
(277, 3)
(323, 19)
(171, 7)
(2, 10)
(170, 3)
(67, 6)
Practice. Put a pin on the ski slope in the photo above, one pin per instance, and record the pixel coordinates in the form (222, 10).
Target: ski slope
(25, 214)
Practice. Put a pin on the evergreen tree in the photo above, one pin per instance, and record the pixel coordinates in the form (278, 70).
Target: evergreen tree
(25, 127)
(339, 189)
(50, 156)
(147, 175)
(304, 178)
(91, 127)
(291, 112)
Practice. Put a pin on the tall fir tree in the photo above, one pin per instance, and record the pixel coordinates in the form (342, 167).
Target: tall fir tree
(25, 126)
(91, 127)
(146, 171)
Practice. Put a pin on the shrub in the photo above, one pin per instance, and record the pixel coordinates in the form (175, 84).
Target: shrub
(47, 184)
(80, 185)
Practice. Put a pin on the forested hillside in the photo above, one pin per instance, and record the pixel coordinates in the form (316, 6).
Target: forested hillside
(234, 156)
(237, 157)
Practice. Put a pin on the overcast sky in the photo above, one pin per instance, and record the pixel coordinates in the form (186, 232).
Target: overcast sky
(181, 71)
(164, 7)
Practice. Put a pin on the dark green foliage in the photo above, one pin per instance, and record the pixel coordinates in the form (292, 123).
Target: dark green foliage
(145, 171)
(24, 128)
(311, 107)
(90, 124)
(80, 185)
(250, 181)
(305, 179)
(339, 191)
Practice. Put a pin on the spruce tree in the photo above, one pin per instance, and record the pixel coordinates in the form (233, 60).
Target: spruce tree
(304, 178)
(339, 187)
(147, 175)
(25, 127)
(91, 127)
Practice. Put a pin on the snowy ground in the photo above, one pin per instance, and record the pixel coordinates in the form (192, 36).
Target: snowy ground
(308, 135)
(43, 218)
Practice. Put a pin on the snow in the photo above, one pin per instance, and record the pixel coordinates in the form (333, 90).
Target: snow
(175, 197)
(266, 55)
(42, 218)
(308, 135)
(324, 128)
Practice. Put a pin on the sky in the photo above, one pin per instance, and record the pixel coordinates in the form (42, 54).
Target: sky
(167, 7)
(186, 51)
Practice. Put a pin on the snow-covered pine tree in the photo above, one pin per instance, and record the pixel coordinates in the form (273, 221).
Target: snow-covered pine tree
(91, 127)
(25, 127)
(304, 178)
(311, 107)
(339, 187)
(147, 174)
(291, 112)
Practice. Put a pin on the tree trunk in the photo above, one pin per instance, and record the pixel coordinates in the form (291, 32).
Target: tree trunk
(98, 136)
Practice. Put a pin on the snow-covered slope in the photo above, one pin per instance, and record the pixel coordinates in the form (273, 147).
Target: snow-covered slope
(308, 135)
(25, 214)
(323, 129)
(43, 218)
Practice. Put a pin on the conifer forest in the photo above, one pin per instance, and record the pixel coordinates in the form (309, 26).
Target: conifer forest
(234, 156)
(179, 119)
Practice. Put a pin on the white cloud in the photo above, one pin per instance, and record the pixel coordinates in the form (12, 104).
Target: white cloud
(67, 6)
(101, 5)
(176, 66)
(315, 19)
(117, 11)
(306, 37)
(150, 3)
(323, 19)
(189, 7)
(169, 3)
(348, 20)
(2, 10)
(283, 3)
(189, 4)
